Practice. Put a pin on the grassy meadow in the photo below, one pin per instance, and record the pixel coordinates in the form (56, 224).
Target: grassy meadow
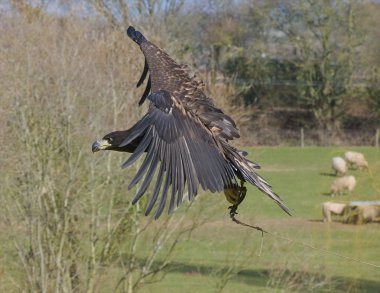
(222, 250)
(219, 255)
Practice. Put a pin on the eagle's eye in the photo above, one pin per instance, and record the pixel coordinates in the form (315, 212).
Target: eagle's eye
(109, 139)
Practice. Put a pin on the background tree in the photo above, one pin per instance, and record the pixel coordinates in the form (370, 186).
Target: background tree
(321, 33)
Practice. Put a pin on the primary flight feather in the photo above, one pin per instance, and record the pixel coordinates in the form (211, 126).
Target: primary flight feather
(184, 137)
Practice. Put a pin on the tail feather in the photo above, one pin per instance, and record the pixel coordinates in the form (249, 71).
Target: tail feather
(246, 169)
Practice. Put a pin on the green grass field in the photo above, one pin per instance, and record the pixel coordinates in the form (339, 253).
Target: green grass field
(221, 249)
(221, 255)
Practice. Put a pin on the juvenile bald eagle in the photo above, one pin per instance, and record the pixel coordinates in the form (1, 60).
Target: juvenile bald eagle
(185, 136)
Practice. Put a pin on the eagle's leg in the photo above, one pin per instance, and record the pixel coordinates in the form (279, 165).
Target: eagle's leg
(239, 193)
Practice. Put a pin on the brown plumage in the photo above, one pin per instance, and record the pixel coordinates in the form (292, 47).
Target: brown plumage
(184, 136)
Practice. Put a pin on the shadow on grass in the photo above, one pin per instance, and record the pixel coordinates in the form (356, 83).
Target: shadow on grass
(316, 220)
(328, 174)
(279, 279)
(327, 194)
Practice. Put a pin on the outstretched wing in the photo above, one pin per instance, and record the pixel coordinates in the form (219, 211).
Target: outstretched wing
(165, 74)
(183, 151)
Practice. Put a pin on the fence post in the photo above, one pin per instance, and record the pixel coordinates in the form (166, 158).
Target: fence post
(377, 137)
(302, 138)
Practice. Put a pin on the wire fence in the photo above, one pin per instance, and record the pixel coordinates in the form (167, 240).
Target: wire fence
(310, 137)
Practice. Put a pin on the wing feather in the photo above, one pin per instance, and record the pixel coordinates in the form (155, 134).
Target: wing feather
(146, 92)
(136, 131)
(145, 142)
(147, 179)
(181, 176)
(143, 168)
(174, 176)
(187, 154)
(156, 190)
(168, 168)
(144, 74)
(192, 182)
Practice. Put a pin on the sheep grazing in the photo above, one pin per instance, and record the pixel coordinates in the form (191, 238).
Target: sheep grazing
(332, 208)
(340, 185)
(360, 212)
(355, 159)
(339, 165)
(369, 214)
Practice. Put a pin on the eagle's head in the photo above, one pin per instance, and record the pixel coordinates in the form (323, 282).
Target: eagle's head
(115, 141)
(110, 141)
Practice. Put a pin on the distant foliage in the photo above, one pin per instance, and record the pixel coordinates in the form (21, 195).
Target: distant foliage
(374, 91)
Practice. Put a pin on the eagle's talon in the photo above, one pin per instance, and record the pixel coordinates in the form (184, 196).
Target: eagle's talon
(233, 210)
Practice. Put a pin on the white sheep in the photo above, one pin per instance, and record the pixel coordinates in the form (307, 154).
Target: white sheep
(343, 183)
(339, 165)
(356, 159)
(369, 214)
(363, 212)
(332, 208)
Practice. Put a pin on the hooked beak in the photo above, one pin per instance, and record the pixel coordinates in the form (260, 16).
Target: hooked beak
(100, 145)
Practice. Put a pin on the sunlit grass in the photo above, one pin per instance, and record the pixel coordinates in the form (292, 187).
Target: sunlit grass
(299, 176)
